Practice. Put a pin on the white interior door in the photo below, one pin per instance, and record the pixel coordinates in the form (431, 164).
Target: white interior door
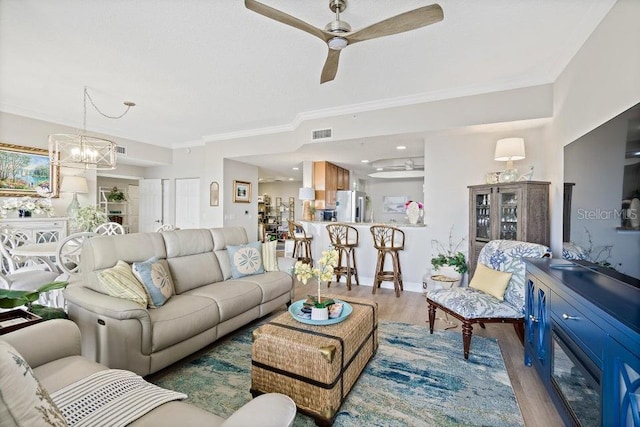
(150, 207)
(188, 203)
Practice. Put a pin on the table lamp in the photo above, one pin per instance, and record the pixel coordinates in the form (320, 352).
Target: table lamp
(508, 150)
(306, 194)
(74, 184)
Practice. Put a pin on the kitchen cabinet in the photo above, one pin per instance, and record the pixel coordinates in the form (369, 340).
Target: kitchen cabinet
(508, 211)
(327, 179)
(343, 179)
(588, 358)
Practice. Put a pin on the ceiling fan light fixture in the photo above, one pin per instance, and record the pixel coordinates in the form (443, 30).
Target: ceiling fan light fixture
(337, 43)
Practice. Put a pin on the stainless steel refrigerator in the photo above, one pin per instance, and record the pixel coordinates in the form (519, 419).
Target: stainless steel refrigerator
(350, 206)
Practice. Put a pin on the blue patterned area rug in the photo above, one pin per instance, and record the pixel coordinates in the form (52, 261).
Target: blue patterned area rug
(415, 379)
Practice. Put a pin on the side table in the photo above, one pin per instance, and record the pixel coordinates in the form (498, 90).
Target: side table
(441, 281)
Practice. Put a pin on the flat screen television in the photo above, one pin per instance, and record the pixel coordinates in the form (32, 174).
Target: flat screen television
(602, 198)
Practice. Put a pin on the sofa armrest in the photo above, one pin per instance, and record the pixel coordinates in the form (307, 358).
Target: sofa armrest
(105, 305)
(266, 410)
(46, 341)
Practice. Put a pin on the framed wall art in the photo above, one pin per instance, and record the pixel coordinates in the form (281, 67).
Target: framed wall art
(241, 192)
(27, 171)
(394, 204)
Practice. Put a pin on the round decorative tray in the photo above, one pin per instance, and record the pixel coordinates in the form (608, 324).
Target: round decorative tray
(295, 310)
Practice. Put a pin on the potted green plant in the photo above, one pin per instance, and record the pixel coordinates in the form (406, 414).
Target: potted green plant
(16, 298)
(115, 195)
(449, 261)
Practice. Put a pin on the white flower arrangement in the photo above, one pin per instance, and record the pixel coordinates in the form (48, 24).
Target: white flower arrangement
(37, 206)
(89, 217)
(323, 272)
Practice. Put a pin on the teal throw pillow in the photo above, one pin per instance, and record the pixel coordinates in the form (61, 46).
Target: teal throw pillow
(245, 259)
(155, 279)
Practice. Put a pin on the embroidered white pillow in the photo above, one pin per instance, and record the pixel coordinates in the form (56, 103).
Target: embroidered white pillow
(155, 279)
(245, 259)
(23, 400)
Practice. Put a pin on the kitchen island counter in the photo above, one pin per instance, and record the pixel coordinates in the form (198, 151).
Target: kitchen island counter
(413, 259)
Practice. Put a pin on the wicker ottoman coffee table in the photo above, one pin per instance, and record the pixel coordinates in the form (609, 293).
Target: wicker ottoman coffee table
(314, 365)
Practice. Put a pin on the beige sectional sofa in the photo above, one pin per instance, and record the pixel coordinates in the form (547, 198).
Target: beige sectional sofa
(208, 303)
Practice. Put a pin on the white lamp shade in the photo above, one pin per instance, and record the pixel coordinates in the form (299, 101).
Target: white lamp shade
(509, 149)
(74, 184)
(307, 193)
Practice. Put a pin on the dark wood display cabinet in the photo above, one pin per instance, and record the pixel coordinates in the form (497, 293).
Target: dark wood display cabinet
(508, 211)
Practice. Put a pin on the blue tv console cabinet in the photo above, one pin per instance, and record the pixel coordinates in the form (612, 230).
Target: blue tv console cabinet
(582, 336)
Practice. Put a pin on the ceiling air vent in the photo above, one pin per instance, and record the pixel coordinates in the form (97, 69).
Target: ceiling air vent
(121, 150)
(321, 134)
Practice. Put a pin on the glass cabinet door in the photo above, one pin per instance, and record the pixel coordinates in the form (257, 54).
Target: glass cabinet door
(508, 213)
(483, 216)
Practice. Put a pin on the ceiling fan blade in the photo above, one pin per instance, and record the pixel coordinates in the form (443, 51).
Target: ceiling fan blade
(330, 66)
(280, 16)
(407, 21)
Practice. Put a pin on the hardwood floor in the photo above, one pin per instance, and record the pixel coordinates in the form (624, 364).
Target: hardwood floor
(411, 307)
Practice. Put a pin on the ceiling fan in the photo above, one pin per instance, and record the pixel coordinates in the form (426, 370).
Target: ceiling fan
(407, 167)
(338, 35)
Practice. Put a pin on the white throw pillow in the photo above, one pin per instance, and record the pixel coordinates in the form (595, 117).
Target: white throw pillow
(269, 256)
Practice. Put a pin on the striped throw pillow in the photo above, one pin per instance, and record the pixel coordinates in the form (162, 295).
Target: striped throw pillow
(120, 282)
(269, 257)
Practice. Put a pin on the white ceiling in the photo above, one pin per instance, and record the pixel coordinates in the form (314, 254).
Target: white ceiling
(202, 69)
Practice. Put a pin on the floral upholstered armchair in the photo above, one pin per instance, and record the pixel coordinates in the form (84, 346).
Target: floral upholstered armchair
(471, 305)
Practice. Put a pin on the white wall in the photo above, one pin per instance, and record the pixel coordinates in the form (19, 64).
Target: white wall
(241, 214)
(187, 163)
(462, 158)
(600, 82)
(28, 132)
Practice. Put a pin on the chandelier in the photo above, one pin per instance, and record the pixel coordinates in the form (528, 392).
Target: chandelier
(83, 151)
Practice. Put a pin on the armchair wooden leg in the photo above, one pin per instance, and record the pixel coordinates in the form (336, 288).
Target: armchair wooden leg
(467, 330)
(432, 317)
(519, 327)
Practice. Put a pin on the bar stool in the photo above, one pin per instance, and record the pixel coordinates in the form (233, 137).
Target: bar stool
(344, 238)
(301, 242)
(388, 241)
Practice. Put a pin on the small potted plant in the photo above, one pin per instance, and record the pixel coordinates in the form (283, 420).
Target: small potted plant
(115, 195)
(322, 273)
(449, 261)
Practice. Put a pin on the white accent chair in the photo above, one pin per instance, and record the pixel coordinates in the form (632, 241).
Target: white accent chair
(69, 251)
(109, 229)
